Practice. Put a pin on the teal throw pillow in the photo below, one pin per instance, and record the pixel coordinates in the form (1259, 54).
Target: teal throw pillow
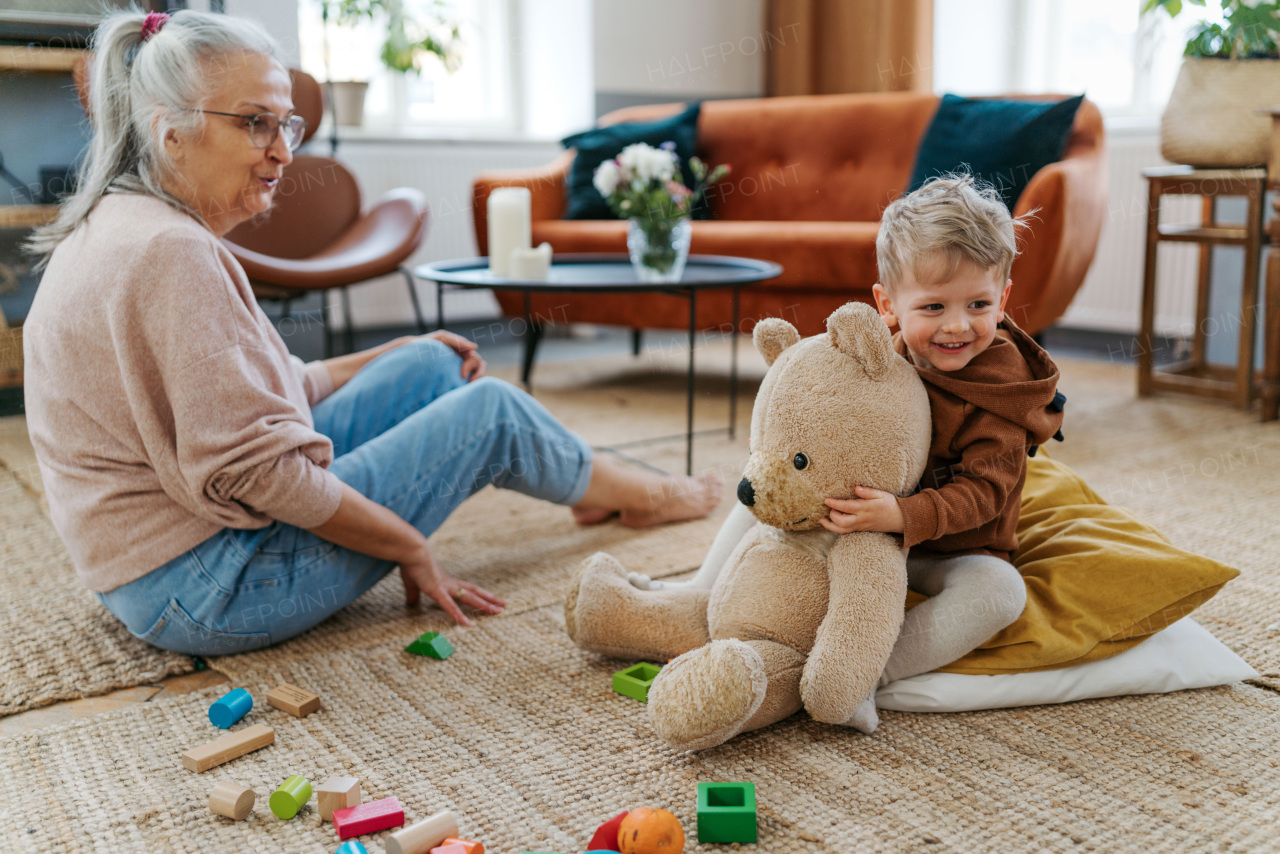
(1003, 142)
(597, 145)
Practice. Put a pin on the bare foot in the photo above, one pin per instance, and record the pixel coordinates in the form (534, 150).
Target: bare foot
(675, 499)
(592, 515)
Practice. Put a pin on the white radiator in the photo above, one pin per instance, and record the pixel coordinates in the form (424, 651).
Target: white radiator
(443, 170)
(1111, 297)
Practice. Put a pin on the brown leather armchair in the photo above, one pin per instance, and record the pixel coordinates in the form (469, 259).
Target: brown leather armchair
(811, 176)
(317, 237)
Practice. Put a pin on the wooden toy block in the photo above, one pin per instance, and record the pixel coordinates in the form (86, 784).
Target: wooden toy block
(351, 846)
(606, 836)
(468, 847)
(337, 793)
(292, 795)
(449, 849)
(726, 812)
(635, 680)
(368, 818)
(230, 708)
(232, 800)
(432, 644)
(293, 700)
(421, 837)
(220, 750)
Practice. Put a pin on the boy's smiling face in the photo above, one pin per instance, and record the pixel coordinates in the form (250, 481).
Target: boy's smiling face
(946, 324)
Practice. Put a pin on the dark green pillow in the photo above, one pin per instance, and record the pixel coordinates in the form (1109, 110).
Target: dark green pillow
(1003, 142)
(597, 145)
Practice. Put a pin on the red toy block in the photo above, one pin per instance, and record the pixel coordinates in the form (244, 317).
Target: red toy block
(606, 836)
(468, 847)
(368, 818)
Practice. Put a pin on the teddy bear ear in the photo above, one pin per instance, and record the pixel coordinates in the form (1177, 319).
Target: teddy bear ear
(856, 330)
(773, 335)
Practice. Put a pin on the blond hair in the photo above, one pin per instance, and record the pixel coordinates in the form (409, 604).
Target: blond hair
(949, 220)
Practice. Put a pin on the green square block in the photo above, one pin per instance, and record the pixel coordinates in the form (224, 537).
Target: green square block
(726, 812)
(432, 644)
(635, 680)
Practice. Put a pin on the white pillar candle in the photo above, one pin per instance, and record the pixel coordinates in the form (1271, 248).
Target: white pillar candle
(530, 265)
(510, 226)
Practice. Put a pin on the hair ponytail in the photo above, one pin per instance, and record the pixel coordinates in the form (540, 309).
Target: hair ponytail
(138, 92)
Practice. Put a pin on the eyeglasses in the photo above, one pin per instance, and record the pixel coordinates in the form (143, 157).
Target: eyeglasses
(265, 127)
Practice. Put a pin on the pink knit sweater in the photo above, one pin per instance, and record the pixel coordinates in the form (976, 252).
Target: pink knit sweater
(162, 403)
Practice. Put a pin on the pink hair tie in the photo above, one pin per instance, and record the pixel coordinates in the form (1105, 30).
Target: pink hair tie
(152, 24)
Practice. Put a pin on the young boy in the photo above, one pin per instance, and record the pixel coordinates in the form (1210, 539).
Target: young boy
(944, 254)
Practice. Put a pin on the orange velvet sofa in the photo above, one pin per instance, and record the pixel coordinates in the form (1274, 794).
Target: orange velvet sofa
(811, 177)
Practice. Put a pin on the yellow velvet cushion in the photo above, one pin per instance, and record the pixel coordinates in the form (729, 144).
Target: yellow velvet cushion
(1099, 580)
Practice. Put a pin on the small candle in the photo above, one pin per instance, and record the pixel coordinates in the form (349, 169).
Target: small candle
(510, 226)
(530, 265)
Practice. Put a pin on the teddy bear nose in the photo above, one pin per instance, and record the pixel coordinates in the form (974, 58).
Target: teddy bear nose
(746, 494)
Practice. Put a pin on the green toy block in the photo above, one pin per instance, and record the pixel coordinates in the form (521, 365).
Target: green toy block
(726, 812)
(432, 644)
(635, 680)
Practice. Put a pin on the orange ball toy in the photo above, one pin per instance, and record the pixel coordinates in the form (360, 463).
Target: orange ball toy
(650, 831)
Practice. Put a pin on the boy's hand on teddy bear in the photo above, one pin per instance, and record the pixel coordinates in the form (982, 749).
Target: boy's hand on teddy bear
(872, 510)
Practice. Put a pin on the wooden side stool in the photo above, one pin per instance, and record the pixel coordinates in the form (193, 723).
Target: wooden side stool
(1196, 375)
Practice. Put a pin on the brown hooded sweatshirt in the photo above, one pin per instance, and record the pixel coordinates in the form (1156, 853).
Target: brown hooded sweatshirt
(987, 417)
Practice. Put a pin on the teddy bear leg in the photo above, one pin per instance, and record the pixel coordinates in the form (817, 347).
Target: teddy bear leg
(707, 696)
(603, 613)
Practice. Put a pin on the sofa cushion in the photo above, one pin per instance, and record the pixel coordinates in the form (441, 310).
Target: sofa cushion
(597, 145)
(1004, 142)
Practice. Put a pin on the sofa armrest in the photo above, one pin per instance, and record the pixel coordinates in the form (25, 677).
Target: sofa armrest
(546, 184)
(1069, 198)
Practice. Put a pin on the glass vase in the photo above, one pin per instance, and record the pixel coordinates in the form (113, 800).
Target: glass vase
(659, 248)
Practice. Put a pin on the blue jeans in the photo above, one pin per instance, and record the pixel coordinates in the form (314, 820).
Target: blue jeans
(409, 434)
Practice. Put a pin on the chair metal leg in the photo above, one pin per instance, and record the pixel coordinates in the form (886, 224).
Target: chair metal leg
(413, 295)
(636, 342)
(284, 307)
(346, 317)
(324, 324)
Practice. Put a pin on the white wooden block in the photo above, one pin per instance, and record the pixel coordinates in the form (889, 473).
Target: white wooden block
(422, 837)
(337, 793)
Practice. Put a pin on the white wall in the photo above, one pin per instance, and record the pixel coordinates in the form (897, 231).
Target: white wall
(279, 17)
(676, 49)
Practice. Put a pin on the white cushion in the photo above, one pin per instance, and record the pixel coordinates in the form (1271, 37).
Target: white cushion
(1184, 655)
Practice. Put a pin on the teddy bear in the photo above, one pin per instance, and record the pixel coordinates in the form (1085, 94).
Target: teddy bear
(798, 617)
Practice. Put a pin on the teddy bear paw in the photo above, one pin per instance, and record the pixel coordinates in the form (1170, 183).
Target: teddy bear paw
(706, 696)
(595, 592)
(864, 718)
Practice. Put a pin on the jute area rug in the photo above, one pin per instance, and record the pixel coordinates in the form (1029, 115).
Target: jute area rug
(520, 735)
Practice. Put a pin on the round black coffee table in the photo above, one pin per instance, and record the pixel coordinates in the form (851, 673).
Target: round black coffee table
(613, 273)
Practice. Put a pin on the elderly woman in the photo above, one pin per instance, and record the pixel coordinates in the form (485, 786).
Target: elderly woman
(216, 493)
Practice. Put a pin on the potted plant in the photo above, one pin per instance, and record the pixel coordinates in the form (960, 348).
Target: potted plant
(1230, 70)
(410, 42)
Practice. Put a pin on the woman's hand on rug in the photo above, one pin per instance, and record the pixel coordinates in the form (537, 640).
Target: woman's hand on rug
(424, 575)
(473, 367)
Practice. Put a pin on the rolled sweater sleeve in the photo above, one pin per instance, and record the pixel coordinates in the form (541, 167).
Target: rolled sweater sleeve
(973, 491)
(315, 377)
(244, 451)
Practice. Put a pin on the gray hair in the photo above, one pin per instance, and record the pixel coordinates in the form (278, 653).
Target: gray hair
(950, 219)
(138, 93)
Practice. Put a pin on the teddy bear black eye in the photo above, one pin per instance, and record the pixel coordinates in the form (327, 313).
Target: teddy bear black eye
(801, 462)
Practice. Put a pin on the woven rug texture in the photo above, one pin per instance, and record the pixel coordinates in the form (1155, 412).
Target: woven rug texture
(521, 736)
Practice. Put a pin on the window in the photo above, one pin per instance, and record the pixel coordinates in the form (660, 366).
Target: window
(477, 96)
(1123, 61)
